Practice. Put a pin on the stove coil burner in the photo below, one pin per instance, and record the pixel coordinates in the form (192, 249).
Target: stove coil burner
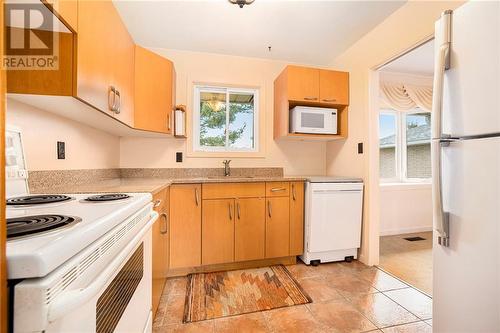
(35, 224)
(37, 199)
(107, 197)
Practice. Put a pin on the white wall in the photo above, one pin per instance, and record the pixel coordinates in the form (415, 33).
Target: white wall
(405, 208)
(297, 158)
(86, 147)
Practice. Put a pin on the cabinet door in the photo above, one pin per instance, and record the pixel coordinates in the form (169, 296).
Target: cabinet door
(159, 247)
(250, 229)
(95, 67)
(123, 71)
(154, 88)
(334, 87)
(185, 225)
(296, 218)
(67, 10)
(303, 84)
(277, 227)
(218, 231)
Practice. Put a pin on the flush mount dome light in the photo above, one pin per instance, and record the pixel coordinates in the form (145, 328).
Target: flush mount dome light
(241, 3)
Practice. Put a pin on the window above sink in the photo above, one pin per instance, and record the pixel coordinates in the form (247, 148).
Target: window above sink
(225, 119)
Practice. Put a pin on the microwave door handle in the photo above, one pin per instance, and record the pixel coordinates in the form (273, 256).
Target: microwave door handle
(73, 299)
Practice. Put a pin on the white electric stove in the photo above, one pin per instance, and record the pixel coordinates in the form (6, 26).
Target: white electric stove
(76, 263)
(36, 254)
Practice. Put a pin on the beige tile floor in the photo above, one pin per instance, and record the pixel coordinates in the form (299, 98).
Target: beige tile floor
(347, 297)
(409, 261)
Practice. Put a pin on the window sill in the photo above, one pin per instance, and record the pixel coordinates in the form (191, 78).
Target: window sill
(224, 154)
(397, 186)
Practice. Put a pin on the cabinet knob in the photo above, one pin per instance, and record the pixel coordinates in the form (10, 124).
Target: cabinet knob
(329, 100)
(269, 208)
(311, 98)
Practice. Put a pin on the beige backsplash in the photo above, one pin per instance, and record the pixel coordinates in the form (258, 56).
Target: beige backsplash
(43, 179)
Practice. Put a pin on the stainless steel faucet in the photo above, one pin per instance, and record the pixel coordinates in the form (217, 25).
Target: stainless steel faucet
(227, 168)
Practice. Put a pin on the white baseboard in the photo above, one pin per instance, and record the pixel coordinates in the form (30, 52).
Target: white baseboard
(409, 230)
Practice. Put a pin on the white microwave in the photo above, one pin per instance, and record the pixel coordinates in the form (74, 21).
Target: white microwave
(305, 119)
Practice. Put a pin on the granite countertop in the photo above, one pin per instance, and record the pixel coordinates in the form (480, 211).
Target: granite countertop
(154, 185)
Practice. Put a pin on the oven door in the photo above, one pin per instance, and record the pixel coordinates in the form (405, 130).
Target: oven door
(117, 300)
(316, 121)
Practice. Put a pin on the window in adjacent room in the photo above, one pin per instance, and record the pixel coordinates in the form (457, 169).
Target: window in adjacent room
(405, 149)
(225, 119)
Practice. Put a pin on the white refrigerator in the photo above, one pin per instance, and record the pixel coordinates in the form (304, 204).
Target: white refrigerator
(466, 169)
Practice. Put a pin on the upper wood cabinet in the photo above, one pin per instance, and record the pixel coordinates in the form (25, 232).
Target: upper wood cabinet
(333, 87)
(306, 86)
(105, 61)
(185, 225)
(303, 84)
(154, 91)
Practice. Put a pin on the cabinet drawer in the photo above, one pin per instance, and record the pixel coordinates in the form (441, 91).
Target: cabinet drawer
(233, 190)
(277, 189)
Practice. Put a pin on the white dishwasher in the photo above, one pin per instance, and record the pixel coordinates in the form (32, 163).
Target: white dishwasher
(333, 214)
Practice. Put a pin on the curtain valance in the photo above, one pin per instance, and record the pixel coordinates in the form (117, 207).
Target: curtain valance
(405, 97)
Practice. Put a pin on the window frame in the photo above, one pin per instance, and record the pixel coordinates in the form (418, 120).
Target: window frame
(196, 118)
(401, 148)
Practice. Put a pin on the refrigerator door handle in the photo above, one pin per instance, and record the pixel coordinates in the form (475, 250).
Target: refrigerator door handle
(440, 217)
(441, 64)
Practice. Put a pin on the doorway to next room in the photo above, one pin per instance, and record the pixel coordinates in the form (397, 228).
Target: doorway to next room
(405, 167)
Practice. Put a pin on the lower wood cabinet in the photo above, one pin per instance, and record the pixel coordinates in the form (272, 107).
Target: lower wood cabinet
(160, 246)
(234, 223)
(185, 225)
(277, 227)
(296, 218)
(249, 229)
(217, 231)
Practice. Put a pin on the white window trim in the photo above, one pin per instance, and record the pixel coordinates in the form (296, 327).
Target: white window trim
(401, 154)
(196, 119)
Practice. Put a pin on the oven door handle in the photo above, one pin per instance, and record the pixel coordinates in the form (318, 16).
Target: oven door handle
(73, 299)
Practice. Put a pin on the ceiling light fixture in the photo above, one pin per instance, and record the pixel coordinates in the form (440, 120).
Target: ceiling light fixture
(241, 3)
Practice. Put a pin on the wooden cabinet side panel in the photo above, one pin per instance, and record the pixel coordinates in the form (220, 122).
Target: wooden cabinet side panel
(3, 227)
(297, 218)
(334, 87)
(277, 227)
(250, 229)
(217, 231)
(153, 91)
(281, 106)
(303, 83)
(159, 251)
(185, 226)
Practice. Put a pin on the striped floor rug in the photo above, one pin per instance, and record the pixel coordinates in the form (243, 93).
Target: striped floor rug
(223, 294)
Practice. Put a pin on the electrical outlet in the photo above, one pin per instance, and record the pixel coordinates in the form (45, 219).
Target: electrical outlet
(360, 148)
(61, 150)
(178, 156)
